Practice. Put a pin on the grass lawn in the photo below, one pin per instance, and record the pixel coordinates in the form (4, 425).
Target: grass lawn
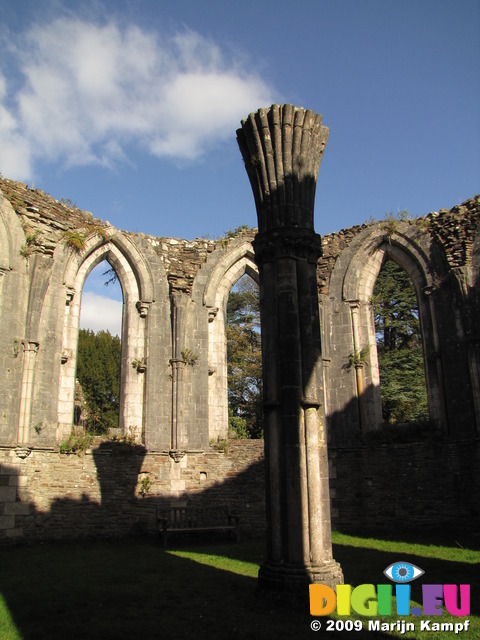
(133, 589)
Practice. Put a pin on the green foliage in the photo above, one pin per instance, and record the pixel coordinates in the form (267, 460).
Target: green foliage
(399, 345)
(358, 359)
(139, 364)
(39, 428)
(134, 581)
(74, 239)
(77, 443)
(98, 370)
(231, 233)
(68, 203)
(189, 357)
(245, 360)
(27, 248)
(127, 443)
(145, 485)
(237, 427)
(220, 445)
(16, 347)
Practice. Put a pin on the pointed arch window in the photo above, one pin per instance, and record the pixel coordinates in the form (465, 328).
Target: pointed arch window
(399, 346)
(244, 359)
(97, 383)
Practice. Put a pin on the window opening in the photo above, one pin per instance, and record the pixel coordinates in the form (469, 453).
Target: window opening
(399, 347)
(97, 384)
(244, 360)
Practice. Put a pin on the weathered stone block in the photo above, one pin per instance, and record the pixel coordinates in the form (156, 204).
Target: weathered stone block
(7, 522)
(7, 494)
(16, 509)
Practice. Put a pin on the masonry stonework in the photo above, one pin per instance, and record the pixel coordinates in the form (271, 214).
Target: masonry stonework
(175, 295)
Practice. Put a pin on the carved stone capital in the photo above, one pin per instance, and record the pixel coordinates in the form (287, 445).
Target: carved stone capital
(429, 289)
(212, 313)
(22, 452)
(30, 345)
(310, 403)
(143, 307)
(282, 148)
(176, 455)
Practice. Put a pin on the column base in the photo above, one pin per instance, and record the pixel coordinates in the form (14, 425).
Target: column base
(293, 580)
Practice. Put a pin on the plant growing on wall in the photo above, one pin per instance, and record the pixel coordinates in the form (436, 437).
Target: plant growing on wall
(26, 249)
(16, 347)
(145, 485)
(77, 443)
(358, 358)
(139, 364)
(74, 239)
(189, 357)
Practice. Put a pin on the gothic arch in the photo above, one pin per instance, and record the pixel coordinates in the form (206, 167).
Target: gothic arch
(229, 269)
(138, 293)
(411, 254)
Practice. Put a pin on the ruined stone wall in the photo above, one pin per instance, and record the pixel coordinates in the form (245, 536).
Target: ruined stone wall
(440, 254)
(50, 250)
(63, 496)
(50, 495)
(427, 484)
(175, 302)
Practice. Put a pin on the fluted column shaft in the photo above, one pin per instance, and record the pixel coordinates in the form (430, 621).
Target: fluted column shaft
(282, 148)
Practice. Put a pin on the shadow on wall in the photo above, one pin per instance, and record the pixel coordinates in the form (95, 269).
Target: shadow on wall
(401, 478)
(122, 511)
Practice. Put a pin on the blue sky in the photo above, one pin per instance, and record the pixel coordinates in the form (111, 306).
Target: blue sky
(129, 107)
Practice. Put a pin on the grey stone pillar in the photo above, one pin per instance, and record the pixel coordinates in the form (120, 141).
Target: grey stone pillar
(178, 367)
(282, 148)
(30, 350)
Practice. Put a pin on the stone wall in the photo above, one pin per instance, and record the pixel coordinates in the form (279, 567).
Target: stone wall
(428, 484)
(175, 295)
(422, 482)
(50, 495)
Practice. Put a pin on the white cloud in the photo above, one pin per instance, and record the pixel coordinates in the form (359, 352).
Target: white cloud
(87, 91)
(99, 313)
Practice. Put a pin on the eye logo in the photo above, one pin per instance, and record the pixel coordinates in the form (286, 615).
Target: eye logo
(403, 572)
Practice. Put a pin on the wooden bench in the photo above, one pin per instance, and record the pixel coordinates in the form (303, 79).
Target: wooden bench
(192, 519)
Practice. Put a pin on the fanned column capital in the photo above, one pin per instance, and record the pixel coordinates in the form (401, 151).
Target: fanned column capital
(282, 148)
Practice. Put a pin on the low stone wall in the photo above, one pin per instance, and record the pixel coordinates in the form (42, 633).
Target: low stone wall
(402, 486)
(113, 490)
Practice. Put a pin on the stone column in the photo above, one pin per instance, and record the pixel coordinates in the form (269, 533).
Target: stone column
(282, 148)
(30, 349)
(178, 367)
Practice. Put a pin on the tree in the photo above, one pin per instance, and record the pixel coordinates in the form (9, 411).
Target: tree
(399, 346)
(98, 371)
(244, 360)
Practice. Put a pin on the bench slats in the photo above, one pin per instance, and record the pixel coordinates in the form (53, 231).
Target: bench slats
(191, 519)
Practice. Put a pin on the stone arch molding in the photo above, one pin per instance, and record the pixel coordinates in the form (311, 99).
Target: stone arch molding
(138, 294)
(365, 265)
(412, 255)
(12, 236)
(230, 268)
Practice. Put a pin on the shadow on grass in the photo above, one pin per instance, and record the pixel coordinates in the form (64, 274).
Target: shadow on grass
(362, 565)
(134, 589)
